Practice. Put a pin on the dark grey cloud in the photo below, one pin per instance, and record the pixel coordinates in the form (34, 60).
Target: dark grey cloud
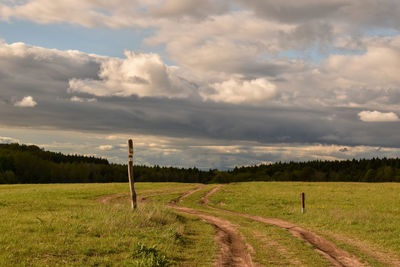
(313, 105)
(295, 11)
(308, 34)
(255, 81)
(183, 118)
(39, 73)
(357, 14)
(189, 9)
(32, 70)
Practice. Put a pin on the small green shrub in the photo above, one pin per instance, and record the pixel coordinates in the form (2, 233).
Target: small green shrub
(149, 256)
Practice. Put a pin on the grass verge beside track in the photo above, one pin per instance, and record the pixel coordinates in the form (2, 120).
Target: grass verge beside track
(65, 224)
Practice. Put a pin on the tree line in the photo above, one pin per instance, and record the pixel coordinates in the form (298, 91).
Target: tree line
(31, 164)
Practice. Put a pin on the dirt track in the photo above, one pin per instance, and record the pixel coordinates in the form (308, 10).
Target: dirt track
(233, 247)
(188, 193)
(233, 250)
(335, 255)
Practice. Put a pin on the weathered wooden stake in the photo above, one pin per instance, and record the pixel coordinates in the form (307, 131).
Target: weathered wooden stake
(130, 174)
(303, 202)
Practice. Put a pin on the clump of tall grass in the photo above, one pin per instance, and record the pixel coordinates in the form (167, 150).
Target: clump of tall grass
(149, 256)
(154, 214)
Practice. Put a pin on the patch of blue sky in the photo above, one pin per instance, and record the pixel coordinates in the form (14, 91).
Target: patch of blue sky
(348, 52)
(382, 32)
(313, 55)
(63, 36)
(291, 54)
(317, 54)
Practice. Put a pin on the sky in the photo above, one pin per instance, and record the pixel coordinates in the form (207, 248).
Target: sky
(211, 84)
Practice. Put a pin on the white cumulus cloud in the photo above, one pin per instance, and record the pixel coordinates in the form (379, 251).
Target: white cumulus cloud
(376, 116)
(82, 99)
(238, 91)
(138, 74)
(27, 101)
(105, 147)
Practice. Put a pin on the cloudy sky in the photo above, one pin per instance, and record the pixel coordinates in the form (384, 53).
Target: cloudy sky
(210, 83)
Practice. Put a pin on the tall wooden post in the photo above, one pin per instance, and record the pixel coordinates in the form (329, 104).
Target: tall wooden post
(303, 202)
(130, 174)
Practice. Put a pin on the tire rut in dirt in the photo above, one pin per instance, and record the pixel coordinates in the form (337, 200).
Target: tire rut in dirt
(329, 250)
(233, 251)
(186, 194)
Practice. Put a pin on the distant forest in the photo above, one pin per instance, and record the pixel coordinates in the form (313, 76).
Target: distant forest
(31, 164)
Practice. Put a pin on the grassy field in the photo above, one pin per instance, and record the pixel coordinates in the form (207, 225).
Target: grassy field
(50, 225)
(361, 217)
(68, 224)
(272, 246)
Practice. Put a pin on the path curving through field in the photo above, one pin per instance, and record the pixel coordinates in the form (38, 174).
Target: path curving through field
(187, 193)
(329, 250)
(233, 247)
(233, 250)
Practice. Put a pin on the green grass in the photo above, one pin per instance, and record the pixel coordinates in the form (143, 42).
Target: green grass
(63, 224)
(369, 213)
(272, 245)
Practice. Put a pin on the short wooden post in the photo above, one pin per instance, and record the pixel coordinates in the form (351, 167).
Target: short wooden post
(130, 174)
(303, 202)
